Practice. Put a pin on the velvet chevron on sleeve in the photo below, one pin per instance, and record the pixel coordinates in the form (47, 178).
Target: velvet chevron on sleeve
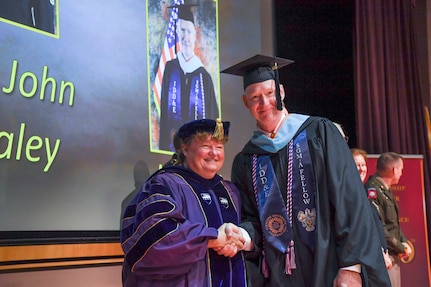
(166, 228)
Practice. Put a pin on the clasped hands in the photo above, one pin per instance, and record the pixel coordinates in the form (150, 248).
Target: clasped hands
(229, 241)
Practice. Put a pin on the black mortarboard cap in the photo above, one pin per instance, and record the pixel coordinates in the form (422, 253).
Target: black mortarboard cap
(260, 68)
(217, 128)
(185, 12)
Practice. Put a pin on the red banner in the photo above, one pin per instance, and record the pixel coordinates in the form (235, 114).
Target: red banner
(410, 196)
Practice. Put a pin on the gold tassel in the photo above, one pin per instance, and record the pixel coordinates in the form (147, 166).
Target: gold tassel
(218, 131)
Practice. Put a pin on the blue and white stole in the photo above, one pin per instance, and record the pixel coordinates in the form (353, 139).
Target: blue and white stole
(196, 94)
(174, 97)
(187, 86)
(197, 97)
(277, 218)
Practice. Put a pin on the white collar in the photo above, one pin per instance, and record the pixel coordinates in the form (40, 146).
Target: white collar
(190, 65)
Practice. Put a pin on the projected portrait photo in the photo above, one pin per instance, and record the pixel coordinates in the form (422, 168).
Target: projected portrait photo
(33, 14)
(183, 67)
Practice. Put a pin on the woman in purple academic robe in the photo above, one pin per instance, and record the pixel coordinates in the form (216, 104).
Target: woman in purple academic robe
(181, 228)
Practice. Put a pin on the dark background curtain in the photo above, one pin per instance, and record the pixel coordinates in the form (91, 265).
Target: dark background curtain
(356, 64)
(317, 35)
(389, 108)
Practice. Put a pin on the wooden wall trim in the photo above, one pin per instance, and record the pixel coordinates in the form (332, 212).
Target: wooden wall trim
(35, 250)
(29, 257)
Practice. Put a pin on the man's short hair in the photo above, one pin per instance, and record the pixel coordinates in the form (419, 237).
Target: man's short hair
(387, 160)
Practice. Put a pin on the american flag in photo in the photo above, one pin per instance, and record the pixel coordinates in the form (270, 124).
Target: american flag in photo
(168, 52)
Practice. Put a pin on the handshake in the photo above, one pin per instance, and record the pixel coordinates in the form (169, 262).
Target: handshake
(230, 240)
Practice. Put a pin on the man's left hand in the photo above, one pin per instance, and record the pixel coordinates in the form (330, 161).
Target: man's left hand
(347, 278)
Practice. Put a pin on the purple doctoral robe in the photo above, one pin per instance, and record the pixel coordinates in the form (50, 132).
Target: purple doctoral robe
(166, 228)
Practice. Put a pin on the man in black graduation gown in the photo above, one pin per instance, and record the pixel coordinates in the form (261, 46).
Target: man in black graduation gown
(303, 203)
(187, 87)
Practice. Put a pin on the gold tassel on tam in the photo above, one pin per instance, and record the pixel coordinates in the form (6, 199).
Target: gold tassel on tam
(218, 130)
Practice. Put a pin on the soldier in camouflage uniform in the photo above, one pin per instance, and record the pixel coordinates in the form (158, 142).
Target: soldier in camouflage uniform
(378, 186)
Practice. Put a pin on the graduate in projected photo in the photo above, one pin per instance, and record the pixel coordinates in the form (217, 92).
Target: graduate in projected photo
(187, 91)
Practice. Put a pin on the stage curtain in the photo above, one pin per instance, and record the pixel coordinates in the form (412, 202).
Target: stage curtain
(389, 108)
